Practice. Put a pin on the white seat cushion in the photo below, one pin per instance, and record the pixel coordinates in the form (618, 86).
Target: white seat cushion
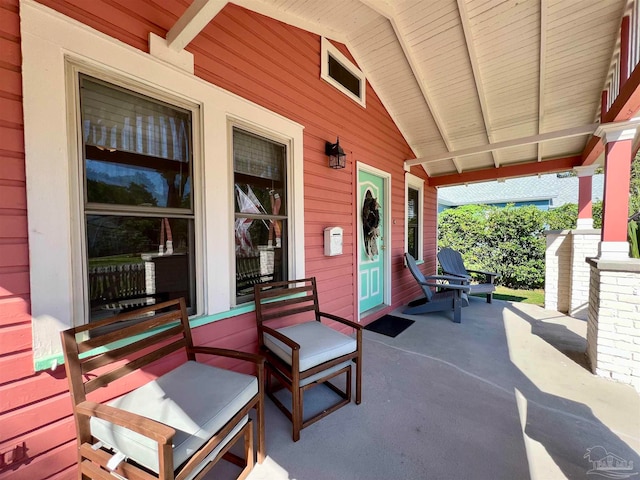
(318, 344)
(195, 399)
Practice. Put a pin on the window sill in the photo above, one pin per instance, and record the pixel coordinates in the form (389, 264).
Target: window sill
(54, 361)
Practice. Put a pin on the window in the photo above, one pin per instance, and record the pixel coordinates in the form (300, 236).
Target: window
(414, 219)
(64, 216)
(260, 211)
(137, 165)
(413, 209)
(340, 72)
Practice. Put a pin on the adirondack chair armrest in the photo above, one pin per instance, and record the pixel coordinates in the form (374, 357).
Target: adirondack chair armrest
(489, 276)
(344, 321)
(156, 431)
(456, 279)
(447, 286)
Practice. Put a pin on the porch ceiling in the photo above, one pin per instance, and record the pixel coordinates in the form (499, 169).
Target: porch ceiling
(472, 84)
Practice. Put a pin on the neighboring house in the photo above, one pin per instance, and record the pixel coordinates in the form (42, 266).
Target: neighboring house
(544, 191)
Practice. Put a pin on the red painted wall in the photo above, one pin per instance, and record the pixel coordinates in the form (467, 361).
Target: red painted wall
(270, 63)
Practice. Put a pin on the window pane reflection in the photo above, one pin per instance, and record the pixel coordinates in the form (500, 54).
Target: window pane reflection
(136, 261)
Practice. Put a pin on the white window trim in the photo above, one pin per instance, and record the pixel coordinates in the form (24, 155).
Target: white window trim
(327, 48)
(77, 188)
(50, 42)
(293, 234)
(417, 183)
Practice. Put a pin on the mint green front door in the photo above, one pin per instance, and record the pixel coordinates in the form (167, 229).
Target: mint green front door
(371, 241)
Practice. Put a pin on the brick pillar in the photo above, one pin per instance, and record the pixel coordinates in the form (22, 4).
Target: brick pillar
(613, 329)
(613, 325)
(557, 278)
(584, 245)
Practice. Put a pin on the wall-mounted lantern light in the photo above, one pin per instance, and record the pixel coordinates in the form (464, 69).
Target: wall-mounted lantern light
(336, 154)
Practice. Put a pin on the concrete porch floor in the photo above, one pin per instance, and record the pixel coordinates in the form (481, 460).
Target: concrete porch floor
(503, 395)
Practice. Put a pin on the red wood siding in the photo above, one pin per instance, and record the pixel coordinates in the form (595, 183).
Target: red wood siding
(270, 63)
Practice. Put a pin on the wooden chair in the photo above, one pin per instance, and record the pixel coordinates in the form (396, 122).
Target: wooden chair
(452, 264)
(301, 351)
(174, 426)
(451, 293)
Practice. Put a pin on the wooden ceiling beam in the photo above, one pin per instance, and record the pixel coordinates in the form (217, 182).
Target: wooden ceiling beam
(543, 67)
(507, 171)
(516, 142)
(387, 11)
(192, 22)
(475, 68)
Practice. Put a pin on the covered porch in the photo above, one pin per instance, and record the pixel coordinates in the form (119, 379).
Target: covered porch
(504, 394)
(456, 92)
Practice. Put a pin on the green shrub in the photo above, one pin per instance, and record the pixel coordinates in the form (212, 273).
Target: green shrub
(634, 238)
(506, 240)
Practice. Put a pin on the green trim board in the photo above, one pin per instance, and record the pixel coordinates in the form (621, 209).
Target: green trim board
(54, 361)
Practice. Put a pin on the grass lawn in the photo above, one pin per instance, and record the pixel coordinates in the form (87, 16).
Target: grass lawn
(525, 296)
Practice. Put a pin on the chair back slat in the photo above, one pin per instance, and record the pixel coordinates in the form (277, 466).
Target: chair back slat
(451, 262)
(280, 289)
(280, 313)
(107, 378)
(165, 324)
(418, 275)
(277, 301)
(105, 358)
(129, 328)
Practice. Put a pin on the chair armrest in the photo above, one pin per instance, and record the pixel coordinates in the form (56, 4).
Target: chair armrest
(156, 431)
(448, 286)
(491, 276)
(283, 338)
(450, 278)
(457, 275)
(341, 320)
(224, 352)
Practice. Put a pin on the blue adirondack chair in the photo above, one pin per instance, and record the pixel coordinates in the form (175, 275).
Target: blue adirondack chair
(452, 264)
(448, 296)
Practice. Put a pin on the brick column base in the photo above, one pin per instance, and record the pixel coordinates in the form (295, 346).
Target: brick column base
(613, 333)
(557, 278)
(584, 243)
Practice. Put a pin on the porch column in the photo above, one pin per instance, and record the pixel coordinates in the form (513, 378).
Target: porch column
(584, 244)
(618, 138)
(585, 188)
(557, 278)
(613, 325)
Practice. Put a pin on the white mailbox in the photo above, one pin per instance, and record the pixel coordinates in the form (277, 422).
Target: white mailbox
(332, 241)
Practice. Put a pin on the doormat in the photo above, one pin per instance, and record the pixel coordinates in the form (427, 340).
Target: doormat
(389, 325)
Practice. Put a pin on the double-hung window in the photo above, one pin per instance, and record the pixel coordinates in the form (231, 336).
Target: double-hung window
(260, 211)
(414, 216)
(138, 209)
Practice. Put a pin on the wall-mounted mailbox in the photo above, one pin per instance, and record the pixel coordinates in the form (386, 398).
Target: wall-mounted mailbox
(332, 241)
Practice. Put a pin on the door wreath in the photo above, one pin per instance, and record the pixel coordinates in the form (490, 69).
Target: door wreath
(370, 224)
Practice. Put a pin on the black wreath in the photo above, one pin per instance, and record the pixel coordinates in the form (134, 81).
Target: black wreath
(370, 214)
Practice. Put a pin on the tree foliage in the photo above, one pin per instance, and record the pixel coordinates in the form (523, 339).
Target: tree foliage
(507, 240)
(511, 240)
(564, 217)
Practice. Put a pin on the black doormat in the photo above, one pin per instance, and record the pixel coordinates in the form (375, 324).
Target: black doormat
(389, 325)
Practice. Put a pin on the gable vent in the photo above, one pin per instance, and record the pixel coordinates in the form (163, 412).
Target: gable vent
(341, 72)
